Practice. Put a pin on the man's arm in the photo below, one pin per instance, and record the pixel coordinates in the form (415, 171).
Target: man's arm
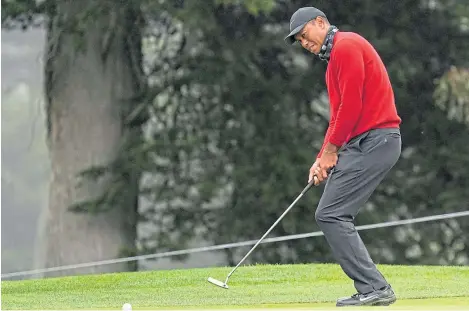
(326, 137)
(350, 70)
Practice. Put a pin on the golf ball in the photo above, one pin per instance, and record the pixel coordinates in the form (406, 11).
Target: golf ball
(127, 307)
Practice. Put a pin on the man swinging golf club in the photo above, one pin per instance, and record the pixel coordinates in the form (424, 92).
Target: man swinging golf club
(361, 145)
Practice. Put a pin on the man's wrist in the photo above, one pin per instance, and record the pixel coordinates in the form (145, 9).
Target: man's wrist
(331, 148)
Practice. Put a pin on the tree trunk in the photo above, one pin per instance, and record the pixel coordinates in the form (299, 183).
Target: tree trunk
(91, 72)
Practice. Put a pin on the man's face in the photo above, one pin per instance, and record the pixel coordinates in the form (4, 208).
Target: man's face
(312, 35)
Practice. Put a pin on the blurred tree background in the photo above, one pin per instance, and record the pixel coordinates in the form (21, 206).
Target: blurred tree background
(194, 121)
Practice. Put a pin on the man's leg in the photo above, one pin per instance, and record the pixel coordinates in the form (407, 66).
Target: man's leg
(362, 165)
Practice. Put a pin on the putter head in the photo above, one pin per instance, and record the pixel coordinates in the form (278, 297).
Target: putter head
(217, 283)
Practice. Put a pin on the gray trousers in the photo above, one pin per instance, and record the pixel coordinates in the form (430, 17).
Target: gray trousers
(362, 165)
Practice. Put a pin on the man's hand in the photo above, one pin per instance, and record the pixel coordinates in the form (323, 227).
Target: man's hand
(327, 162)
(324, 164)
(315, 171)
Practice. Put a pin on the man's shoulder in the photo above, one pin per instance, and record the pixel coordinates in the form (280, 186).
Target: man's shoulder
(350, 45)
(346, 39)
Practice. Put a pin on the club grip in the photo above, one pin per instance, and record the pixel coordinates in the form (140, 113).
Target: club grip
(309, 185)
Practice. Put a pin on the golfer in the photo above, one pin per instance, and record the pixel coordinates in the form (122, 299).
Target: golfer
(361, 145)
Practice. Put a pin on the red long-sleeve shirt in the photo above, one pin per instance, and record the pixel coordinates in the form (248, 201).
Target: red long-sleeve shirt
(360, 93)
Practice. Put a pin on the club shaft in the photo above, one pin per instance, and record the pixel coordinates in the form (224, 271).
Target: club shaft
(268, 231)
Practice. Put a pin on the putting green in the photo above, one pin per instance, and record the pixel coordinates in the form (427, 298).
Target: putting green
(259, 287)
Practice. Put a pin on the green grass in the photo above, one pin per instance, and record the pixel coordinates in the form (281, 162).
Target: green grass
(273, 286)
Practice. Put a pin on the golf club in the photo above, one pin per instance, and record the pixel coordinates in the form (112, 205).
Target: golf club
(225, 285)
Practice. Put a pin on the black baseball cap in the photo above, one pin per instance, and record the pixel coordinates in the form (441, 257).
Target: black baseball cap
(299, 19)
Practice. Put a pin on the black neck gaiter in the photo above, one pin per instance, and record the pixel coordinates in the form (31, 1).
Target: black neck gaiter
(328, 42)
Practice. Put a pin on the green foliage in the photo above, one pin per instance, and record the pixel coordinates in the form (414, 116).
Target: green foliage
(225, 125)
(236, 117)
(24, 13)
(254, 7)
(452, 94)
(236, 131)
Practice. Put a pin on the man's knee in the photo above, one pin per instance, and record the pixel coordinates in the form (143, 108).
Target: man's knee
(319, 216)
(335, 212)
(323, 216)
